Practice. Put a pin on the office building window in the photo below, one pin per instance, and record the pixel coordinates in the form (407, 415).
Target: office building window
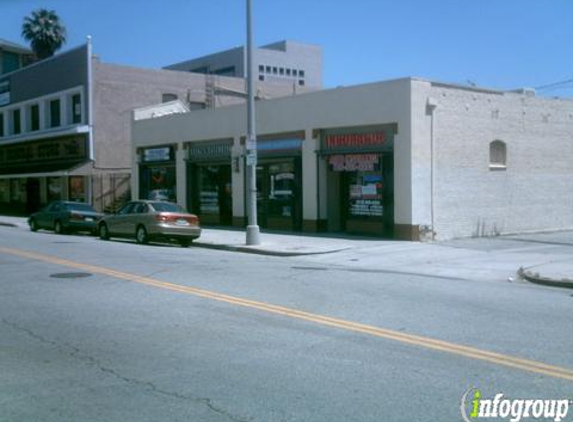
(261, 68)
(165, 98)
(55, 115)
(16, 124)
(301, 73)
(10, 62)
(268, 68)
(261, 77)
(34, 117)
(76, 108)
(301, 82)
(288, 72)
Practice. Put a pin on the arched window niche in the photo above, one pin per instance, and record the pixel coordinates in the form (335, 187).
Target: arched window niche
(497, 155)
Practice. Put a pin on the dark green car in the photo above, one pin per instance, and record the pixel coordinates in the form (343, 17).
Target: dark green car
(64, 217)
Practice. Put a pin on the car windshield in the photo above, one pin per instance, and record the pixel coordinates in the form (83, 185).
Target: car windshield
(166, 207)
(79, 207)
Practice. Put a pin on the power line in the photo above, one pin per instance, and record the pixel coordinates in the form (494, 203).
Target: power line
(554, 84)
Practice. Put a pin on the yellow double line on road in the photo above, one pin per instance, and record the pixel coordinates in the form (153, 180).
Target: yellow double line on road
(414, 340)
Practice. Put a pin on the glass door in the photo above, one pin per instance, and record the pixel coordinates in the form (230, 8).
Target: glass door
(279, 195)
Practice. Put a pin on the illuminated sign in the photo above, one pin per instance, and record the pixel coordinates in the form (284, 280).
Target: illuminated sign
(354, 140)
(358, 140)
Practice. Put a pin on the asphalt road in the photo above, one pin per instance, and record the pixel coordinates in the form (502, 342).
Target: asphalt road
(114, 331)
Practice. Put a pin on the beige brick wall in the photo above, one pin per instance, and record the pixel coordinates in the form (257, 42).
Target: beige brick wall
(534, 192)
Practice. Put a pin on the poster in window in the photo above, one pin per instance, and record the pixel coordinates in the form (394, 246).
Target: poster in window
(77, 189)
(162, 184)
(54, 189)
(365, 194)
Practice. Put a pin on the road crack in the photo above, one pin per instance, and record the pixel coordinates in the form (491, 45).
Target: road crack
(77, 354)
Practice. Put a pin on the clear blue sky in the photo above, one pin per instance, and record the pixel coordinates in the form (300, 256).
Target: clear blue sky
(501, 44)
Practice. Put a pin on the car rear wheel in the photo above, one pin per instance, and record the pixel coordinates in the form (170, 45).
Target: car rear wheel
(103, 232)
(141, 235)
(58, 228)
(185, 242)
(33, 225)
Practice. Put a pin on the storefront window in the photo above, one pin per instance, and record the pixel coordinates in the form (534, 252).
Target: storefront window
(365, 194)
(279, 194)
(281, 178)
(4, 190)
(54, 188)
(214, 189)
(18, 191)
(77, 189)
(162, 185)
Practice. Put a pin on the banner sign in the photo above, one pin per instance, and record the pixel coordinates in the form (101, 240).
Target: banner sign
(157, 154)
(358, 140)
(354, 140)
(209, 151)
(353, 162)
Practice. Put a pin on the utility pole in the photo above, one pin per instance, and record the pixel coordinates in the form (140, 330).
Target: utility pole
(253, 234)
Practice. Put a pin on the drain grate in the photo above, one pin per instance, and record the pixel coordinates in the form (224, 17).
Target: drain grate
(70, 275)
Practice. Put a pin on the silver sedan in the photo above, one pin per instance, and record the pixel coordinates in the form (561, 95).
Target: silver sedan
(151, 220)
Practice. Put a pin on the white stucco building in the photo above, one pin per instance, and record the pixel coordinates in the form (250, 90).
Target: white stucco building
(408, 158)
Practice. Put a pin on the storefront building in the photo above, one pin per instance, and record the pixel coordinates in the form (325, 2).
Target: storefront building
(45, 135)
(157, 174)
(360, 185)
(404, 159)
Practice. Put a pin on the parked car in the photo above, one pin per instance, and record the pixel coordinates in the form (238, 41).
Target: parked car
(151, 220)
(64, 217)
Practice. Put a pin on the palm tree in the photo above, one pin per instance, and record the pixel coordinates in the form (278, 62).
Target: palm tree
(45, 32)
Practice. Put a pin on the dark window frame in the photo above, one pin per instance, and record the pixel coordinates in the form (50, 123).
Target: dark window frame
(76, 104)
(55, 113)
(34, 117)
(16, 121)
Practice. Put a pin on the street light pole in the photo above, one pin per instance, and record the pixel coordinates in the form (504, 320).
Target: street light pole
(253, 234)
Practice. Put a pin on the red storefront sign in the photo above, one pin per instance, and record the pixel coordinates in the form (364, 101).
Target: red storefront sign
(354, 140)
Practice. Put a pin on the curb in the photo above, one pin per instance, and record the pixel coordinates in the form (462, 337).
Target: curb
(251, 250)
(544, 281)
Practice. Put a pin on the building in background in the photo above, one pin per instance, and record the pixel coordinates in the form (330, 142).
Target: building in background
(13, 57)
(407, 159)
(290, 62)
(65, 125)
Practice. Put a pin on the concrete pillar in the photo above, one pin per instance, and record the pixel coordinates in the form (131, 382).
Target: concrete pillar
(181, 175)
(309, 182)
(135, 161)
(65, 118)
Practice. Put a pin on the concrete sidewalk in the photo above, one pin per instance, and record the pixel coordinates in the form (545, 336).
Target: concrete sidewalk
(543, 258)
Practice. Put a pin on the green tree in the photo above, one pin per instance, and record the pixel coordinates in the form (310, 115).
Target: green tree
(45, 32)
